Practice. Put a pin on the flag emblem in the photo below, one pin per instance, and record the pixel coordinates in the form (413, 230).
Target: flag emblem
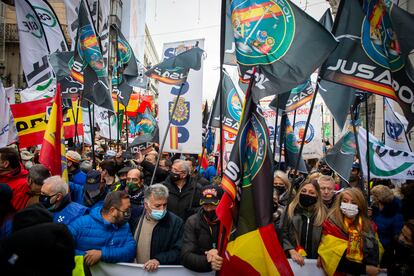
(88, 48)
(378, 39)
(263, 32)
(234, 105)
(182, 111)
(300, 132)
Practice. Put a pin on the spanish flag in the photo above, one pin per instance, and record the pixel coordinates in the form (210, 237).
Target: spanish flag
(248, 242)
(173, 137)
(53, 151)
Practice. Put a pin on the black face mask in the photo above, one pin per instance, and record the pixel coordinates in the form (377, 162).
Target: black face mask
(210, 215)
(174, 176)
(326, 171)
(307, 200)
(45, 201)
(280, 189)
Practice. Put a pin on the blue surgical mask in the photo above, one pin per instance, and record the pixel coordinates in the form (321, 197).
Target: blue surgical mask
(158, 214)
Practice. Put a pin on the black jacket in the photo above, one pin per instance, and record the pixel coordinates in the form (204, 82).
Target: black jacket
(183, 203)
(148, 169)
(196, 240)
(166, 238)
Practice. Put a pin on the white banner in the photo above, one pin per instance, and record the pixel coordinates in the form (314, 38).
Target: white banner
(128, 269)
(10, 94)
(8, 132)
(34, 49)
(133, 25)
(53, 31)
(395, 135)
(385, 162)
(86, 138)
(313, 140)
(45, 89)
(187, 120)
(107, 122)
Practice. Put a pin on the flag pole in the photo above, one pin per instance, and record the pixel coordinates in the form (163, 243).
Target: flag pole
(275, 129)
(294, 119)
(281, 138)
(166, 133)
(383, 120)
(368, 162)
(302, 143)
(126, 129)
(92, 136)
(333, 130)
(222, 51)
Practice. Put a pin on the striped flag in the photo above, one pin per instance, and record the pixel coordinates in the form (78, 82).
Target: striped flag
(53, 152)
(174, 137)
(253, 248)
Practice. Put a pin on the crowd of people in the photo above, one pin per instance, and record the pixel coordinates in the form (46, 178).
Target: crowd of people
(130, 210)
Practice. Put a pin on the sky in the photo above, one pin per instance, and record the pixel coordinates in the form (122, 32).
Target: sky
(179, 20)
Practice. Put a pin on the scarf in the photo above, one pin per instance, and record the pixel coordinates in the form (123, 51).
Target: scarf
(354, 251)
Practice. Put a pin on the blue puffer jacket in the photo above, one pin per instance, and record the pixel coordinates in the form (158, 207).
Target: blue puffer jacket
(70, 212)
(79, 177)
(93, 232)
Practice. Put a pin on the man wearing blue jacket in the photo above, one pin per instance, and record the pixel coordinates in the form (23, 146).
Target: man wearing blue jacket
(104, 234)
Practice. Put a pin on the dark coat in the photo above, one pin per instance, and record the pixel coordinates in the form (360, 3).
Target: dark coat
(148, 170)
(166, 238)
(196, 240)
(186, 202)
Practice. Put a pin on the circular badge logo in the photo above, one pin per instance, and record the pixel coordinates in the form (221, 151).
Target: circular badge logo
(300, 132)
(88, 45)
(394, 130)
(234, 105)
(47, 18)
(263, 32)
(378, 39)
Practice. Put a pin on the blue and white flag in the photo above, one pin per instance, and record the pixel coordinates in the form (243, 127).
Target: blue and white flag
(395, 134)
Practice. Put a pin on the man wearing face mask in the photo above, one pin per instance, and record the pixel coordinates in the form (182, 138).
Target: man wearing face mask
(135, 187)
(37, 174)
(94, 190)
(199, 251)
(56, 198)
(184, 193)
(76, 175)
(157, 231)
(104, 234)
(15, 175)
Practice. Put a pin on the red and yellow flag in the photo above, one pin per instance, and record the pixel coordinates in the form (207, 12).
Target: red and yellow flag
(53, 151)
(174, 137)
(253, 248)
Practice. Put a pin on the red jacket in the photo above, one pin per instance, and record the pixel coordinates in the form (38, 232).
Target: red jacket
(17, 181)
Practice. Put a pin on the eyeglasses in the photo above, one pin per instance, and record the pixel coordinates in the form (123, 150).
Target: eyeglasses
(125, 213)
(133, 179)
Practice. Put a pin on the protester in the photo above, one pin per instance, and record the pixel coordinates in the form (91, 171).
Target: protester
(135, 187)
(302, 223)
(404, 252)
(95, 190)
(37, 174)
(183, 197)
(282, 196)
(356, 180)
(86, 166)
(148, 166)
(157, 231)
(13, 174)
(104, 234)
(122, 174)
(108, 175)
(6, 210)
(201, 230)
(211, 171)
(324, 169)
(76, 175)
(386, 213)
(27, 159)
(165, 164)
(407, 193)
(327, 186)
(56, 198)
(349, 244)
(195, 175)
(36, 245)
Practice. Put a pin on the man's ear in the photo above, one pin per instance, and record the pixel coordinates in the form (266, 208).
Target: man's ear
(6, 163)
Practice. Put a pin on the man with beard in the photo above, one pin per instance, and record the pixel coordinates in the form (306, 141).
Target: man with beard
(135, 187)
(76, 175)
(104, 234)
(184, 193)
(37, 174)
(199, 250)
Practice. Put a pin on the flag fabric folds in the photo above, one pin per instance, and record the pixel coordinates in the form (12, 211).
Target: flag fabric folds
(369, 55)
(341, 156)
(394, 133)
(126, 68)
(88, 66)
(174, 70)
(287, 43)
(247, 181)
(292, 149)
(53, 152)
(8, 132)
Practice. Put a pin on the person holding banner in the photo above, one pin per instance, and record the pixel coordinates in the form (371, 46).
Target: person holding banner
(350, 244)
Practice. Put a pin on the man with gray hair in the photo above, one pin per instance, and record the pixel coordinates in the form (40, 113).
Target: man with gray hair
(55, 197)
(327, 185)
(158, 232)
(184, 191)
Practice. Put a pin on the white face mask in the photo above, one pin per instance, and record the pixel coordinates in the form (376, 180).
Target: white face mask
(349, 209)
